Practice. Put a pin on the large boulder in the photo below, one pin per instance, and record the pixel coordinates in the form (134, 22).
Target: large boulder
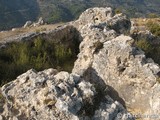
(122, 66)
(49, 95)
(119, 22)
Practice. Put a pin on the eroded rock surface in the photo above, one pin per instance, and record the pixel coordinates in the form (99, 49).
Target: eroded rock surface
(49, 95)
(114, 58)
(109, 76)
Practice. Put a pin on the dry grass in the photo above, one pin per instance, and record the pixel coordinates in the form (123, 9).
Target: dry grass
(19, 31)
(144, 21)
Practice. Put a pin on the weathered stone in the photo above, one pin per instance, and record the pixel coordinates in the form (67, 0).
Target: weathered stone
(27, 24)
(46, 95)
(119, 65)
(104, 17)
(109, 75)
(40, 21)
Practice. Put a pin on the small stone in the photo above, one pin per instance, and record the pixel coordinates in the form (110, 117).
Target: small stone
(27, 24)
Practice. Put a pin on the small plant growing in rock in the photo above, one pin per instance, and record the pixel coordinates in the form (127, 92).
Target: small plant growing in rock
(98, 45)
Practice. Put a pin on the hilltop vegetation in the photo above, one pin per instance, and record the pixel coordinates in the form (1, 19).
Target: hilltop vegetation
(39, 53)
(154, 28)
(15, 13)
(152, 50)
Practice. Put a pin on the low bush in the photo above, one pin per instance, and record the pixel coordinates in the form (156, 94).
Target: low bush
(151, 50)
(38, 54)
(154, 28)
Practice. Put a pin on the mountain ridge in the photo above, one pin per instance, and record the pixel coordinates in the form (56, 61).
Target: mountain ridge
(17, 13)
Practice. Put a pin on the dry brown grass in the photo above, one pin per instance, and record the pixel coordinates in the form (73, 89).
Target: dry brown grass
(19, 31)
(144, 21)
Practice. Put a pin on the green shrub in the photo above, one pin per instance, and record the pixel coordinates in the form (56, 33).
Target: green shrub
(151, 50)
(154, 28)
(38, 54)
(144, 45)
(152, 15)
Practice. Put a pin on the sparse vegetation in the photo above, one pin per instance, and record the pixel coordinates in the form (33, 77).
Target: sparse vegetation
(152, 15)
(98, 45)
(39, 53)
(54, 11)
(151, 50)
(154, 28)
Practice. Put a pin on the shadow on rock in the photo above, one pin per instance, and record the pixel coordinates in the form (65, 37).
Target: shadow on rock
(92, 76)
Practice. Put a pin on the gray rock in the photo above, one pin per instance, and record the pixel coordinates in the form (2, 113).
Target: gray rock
(47, 95)
(40, 21)
(27, 24)
(109, 75)
(104, 17)
(131, 76)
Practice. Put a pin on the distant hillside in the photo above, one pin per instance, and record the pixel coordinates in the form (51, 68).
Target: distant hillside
(17, 12)
(13, 14)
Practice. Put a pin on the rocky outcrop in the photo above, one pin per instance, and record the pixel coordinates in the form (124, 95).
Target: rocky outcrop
(103, 17)
(109, 76)
(141, 32)
(49, 95)
(27, 24)
(34, 24)
(57, 34)
(114, 58)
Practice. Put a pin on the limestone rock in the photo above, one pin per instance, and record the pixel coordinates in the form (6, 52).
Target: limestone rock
(34, 24)
(40, 21)
(27, 24)
(112, 56)
(109, 77)
(49, 95)
(95, 15)
(104, 16)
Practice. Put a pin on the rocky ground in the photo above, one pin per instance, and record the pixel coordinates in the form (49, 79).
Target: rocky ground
(17, 33)
(141, 31)
(111, 79)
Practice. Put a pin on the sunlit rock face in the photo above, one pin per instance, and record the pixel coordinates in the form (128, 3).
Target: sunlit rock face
(107, 52)
(49, 95)
(110, 77)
